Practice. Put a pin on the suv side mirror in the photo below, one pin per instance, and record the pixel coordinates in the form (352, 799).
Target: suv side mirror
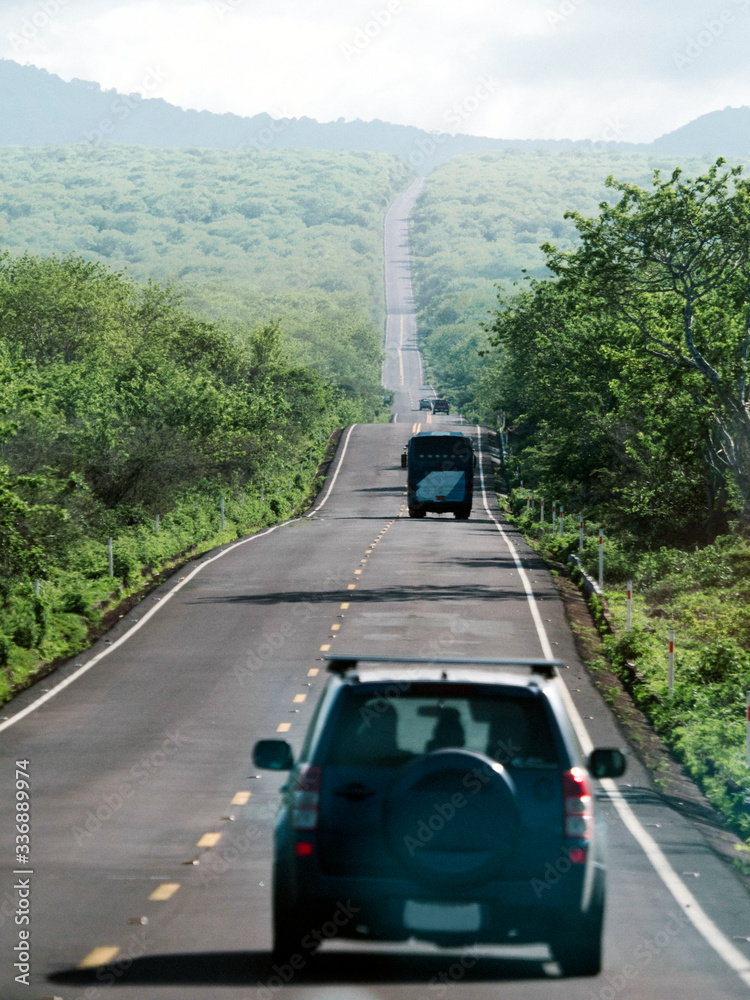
(273, 755)
(607, 762)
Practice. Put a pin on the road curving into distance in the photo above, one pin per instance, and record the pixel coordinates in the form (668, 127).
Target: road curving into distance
(150, 849)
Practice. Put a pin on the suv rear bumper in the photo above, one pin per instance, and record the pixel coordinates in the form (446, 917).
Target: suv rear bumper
(513, 911)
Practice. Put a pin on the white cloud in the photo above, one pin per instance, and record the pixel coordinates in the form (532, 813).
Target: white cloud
(510, 68)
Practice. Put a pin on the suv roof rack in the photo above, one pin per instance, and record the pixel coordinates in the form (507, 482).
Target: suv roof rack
(341, 664)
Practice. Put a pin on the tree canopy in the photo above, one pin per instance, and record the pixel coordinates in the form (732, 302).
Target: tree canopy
(625, 376)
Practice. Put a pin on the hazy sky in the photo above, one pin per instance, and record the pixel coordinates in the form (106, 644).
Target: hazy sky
(614, 69)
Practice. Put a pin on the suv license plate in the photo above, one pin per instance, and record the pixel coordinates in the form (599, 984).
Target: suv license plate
(442, 917)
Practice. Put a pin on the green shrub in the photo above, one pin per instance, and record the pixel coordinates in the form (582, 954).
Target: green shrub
(24, 635)
(74, 603)
(723, 661)
(625, 647)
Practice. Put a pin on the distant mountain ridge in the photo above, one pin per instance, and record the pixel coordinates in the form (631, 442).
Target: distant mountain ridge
(38, 108)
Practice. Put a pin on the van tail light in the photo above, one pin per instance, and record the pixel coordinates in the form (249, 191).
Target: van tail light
(306, 798)
(579, 804)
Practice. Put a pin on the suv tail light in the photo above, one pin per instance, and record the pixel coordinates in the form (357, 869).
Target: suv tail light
(579, 813)
(306, 797)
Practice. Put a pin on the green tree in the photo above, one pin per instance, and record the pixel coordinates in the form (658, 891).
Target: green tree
(674, 265)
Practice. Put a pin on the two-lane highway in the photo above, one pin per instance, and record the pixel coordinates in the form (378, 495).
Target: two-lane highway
(151, 832)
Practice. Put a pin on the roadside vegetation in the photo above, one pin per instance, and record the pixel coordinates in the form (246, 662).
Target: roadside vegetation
(623, 383)
(178, 329)
(703, 594)
(125, 417)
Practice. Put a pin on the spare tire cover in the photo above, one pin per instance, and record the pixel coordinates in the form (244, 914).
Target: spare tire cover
(451, 818)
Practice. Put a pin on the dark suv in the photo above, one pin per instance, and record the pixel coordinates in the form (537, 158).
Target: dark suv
(443, 800)
(440, 406)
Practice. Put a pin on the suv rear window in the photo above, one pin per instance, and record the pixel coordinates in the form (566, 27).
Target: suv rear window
(380, 728)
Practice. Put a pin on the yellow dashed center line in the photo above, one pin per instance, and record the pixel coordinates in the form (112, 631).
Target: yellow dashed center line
(241, 798)
(357, 572)
(351, 586)
(313, 671)
(164, 891)
(283, 727)
(299, 698)
(209, 840)
(99, 956)
(325, 647)
(344, 606)
(335, 628)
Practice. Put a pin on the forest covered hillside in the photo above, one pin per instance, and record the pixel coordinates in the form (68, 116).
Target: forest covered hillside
(480, 222)
(288, 234)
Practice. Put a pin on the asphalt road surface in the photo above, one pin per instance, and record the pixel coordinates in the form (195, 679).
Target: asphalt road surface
(150, 849)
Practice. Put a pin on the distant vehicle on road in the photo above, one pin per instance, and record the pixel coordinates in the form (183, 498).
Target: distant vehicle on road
(425, 404)
(440, 474)
(445, 800)
(440, 406)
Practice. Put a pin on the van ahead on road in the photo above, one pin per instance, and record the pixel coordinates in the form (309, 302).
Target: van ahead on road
(440, 474)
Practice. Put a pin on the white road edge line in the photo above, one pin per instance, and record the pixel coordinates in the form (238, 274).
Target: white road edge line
(149, 614)
(335, 476)
(682, 895)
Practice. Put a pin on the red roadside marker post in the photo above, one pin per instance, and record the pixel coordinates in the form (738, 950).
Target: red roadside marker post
(671, 660)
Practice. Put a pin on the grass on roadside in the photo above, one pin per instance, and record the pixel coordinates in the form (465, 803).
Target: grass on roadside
(704, 595)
